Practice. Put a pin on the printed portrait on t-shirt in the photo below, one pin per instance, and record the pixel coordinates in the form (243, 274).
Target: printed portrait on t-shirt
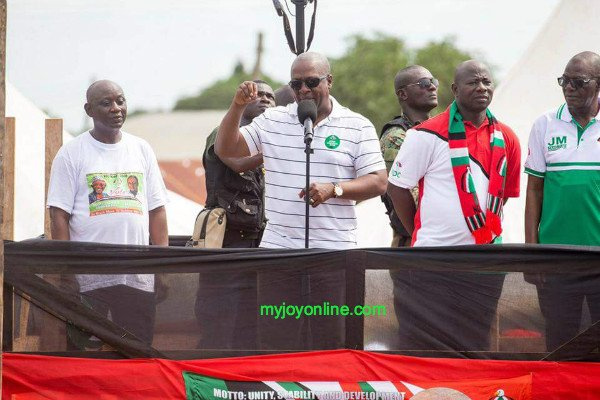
(115, 192)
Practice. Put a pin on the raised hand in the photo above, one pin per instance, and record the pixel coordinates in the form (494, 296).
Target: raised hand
(246, 93)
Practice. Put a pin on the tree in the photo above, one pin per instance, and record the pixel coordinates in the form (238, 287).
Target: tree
(364, 75)
(218, 96)
(441, 58)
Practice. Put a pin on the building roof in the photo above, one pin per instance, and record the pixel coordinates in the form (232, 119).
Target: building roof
(186, 178)
(176, 135)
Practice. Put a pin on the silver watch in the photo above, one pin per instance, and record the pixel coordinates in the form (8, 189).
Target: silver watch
(337, 190)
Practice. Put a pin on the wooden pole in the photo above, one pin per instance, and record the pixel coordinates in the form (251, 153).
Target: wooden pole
(54, 132)
(8, 153)
(7, 226)
(54, 336)
(2, 114)
(256, 72)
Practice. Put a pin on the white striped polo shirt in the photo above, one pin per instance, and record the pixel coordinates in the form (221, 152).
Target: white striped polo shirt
(345, 147)
(567, 156)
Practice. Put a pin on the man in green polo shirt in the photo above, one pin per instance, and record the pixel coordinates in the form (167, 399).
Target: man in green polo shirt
(563, 195)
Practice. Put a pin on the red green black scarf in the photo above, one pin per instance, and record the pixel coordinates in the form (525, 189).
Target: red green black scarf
(483, 226)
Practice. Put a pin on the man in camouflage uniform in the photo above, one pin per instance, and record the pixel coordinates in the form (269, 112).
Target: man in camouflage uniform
(416, 90)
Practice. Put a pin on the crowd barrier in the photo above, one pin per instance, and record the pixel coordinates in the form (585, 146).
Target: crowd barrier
(209, 302)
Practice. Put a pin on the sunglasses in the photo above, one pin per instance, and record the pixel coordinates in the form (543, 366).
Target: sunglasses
(576, 83)
(424, 83)
(310, 83)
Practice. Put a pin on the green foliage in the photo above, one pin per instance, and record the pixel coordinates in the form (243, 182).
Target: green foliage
(364, 75)
(441, 58)
(218, 95)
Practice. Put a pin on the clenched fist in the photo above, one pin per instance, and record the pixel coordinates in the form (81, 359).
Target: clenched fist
(246, 93)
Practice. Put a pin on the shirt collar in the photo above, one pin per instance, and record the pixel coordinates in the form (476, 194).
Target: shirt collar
(412, 123)
(336, 108)
(564, 114)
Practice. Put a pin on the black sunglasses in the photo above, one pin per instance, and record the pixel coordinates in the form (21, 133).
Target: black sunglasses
(310, 83)
(576, 83)
(424, 83)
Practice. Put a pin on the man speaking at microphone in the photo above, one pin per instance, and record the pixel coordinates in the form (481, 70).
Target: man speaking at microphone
(346, 167)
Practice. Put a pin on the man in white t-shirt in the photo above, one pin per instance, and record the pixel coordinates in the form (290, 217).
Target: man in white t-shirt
(91, 200)
(346, 167)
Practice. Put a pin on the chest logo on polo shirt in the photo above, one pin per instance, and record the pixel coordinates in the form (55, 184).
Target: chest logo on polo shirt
(557, 143)
(332, 142)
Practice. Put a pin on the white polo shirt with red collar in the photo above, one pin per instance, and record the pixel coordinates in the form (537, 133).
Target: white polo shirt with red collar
(424, 160)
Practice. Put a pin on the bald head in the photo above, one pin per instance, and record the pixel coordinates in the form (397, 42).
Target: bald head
(440, 394)
(473, 90)
(312, 80)
(107, 106)
(581, 85)
(101, 87)
(318, 61)
(590, 59)
(284, 96)
(469, 68)
(409, 75)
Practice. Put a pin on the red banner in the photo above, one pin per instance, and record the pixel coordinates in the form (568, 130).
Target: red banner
(356, 372)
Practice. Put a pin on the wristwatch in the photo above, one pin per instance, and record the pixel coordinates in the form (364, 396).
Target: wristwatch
(337, 190)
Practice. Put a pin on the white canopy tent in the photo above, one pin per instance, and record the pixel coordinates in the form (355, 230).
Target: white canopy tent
(530, 87)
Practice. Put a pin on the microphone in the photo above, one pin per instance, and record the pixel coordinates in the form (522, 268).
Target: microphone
(307, 115)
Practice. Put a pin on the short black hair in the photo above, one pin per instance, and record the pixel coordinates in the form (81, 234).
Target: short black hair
(402, 75)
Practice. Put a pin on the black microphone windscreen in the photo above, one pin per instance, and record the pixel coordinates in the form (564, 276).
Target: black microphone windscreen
(307, 109)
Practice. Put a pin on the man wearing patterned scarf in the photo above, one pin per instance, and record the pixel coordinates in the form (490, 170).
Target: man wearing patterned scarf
(466, 165)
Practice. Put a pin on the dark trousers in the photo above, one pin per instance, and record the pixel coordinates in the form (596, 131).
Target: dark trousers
(132, 309)
(438, 311)
(308, 332)
(561, 302)
(445, 311)
(226, 307)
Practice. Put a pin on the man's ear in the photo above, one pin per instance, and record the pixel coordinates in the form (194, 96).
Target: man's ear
(329, 81)
(402, 96)
(88, 109)
(454, 89)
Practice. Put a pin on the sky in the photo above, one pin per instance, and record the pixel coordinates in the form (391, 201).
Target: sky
(160, 50)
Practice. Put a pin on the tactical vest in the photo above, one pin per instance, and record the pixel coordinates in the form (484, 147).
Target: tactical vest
(240, 194)
(403, 123)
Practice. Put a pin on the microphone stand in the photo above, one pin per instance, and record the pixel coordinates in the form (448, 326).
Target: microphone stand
(300, 4)
(305, 294)
(308, 137)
